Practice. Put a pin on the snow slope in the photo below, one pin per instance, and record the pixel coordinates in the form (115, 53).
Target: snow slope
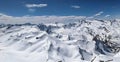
(83, 41)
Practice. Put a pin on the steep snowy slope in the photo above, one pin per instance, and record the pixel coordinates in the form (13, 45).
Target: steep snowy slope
(83, 41)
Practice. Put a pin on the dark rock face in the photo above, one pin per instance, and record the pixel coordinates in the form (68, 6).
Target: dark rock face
(103, 46)
(48, 29)
(42, 27)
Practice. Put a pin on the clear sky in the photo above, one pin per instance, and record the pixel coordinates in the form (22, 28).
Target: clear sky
(59, 7)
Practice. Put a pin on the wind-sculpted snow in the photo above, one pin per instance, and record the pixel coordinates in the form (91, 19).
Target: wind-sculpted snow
(83, 41)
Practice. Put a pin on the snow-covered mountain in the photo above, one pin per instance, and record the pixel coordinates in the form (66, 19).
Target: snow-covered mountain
(83, 41)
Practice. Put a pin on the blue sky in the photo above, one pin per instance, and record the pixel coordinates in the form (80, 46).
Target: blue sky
(48, 11)
(60, 7)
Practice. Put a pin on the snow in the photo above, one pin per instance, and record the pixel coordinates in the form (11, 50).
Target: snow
(83, 41)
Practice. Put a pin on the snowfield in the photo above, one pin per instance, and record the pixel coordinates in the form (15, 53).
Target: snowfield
(83, 41)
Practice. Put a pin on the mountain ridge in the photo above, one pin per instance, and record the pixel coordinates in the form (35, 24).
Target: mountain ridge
(83, 41)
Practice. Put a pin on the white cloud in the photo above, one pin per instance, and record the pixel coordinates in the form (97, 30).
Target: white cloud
(38, 19)
(99, 13)
(107, 15)
(31, 10)
(75, 6)
(95, 15)
(35, 5)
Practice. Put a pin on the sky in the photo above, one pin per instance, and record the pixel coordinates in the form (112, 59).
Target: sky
(87, 8)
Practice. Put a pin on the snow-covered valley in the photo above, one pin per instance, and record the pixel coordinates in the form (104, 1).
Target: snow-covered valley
(83, 41)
